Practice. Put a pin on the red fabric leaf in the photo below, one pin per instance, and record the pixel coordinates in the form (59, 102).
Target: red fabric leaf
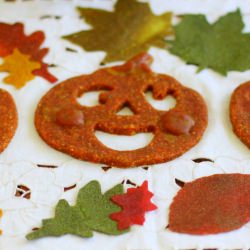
(12, 37)
(135, 203)
(210, 205)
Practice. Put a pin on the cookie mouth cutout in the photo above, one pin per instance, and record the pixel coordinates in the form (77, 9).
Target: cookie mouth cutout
(124, 142)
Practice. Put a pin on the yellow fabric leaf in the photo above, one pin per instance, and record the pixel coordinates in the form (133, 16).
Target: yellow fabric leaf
(20, 69)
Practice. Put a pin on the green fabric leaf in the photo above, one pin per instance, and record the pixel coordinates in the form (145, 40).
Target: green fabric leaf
(91, 213)
(130, 29)
(68, 220)
(97, 207)
(220, 46)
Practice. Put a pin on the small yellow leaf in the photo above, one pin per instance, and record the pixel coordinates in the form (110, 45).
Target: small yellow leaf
(20, 69)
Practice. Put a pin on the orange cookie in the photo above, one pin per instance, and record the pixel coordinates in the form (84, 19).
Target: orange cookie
(240, 112)
(70, 127)
(8, 118)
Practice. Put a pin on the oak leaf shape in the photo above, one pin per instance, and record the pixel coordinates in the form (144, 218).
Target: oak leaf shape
(20, 69)
(221, 46)
(130, 29)
(67, 220)
(135, 203)
(90, 213)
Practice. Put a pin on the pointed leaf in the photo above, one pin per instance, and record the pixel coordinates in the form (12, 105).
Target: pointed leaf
(91, 213)
(67, 220)
(130, 29)
(97, 207)
(20, 69)
(12, 37)
(135, 203)
(221, 46)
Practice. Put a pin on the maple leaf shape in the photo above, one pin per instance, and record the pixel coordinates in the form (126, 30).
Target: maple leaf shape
(135, 203)
(220, 46)
(132, 28)
(20, 68)
(12, 37)
(210, 205)
(91, 212)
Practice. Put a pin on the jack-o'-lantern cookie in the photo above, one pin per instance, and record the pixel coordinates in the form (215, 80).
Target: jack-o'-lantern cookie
(8, 119)
(240, 112)
(70, 127)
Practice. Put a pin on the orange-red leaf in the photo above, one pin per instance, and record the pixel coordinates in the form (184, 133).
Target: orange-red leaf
(210, 205)
(12, 37)
(135, 203)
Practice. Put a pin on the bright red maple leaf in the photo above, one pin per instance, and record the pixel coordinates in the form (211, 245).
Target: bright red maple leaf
(12, 37)
(135, 203)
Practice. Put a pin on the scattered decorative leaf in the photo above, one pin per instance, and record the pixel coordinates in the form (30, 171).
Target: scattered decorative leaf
(135, 203)
(131, 29)
(91, 212)
(97, 207)
(12, 37)
(68, 220)
(20, 69)
(210, 205)
(220, 46)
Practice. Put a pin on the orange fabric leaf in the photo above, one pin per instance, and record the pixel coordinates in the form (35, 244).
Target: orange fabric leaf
(12, 37)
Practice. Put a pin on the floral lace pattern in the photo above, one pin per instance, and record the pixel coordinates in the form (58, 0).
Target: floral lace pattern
(29, 193)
